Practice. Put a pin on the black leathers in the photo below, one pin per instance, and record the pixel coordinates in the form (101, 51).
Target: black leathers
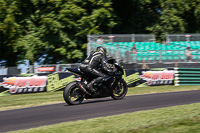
(92, 65)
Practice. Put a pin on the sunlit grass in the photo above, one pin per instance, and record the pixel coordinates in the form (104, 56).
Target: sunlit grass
(160, 89)
(29, 100)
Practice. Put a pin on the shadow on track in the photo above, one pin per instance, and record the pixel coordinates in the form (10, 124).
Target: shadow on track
(99, 100)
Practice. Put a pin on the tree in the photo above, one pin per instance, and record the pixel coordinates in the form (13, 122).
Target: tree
(9, 31)
(159, 17)
(176, 16)
(134, 16)
(55, 30)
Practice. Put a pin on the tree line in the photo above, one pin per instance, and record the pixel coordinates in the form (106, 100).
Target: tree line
(55, 31)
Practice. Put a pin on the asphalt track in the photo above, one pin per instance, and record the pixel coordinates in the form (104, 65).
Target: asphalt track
(51, 114)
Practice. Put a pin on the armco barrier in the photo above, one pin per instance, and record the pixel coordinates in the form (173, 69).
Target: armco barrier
(187, 76)
(16, 84)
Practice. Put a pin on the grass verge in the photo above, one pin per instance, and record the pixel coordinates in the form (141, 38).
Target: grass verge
(161, 89)
(176, 119)
(30, 100)
(36, 99)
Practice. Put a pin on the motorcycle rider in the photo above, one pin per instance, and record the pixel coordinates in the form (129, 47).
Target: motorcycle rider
(91, 65)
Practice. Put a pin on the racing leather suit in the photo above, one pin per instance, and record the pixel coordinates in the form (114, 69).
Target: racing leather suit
(91, 65)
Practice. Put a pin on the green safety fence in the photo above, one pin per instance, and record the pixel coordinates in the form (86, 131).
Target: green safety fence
(187, 76)
(187, 69)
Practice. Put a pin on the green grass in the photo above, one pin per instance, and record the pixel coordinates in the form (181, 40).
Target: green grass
(176, 119)
(29, 100)
(160, 89)
(35, 99)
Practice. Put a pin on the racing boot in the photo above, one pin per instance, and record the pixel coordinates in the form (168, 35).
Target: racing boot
(90, 87)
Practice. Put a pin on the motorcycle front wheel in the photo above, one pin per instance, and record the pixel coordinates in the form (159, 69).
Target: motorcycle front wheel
(72, 94)
(119, 90)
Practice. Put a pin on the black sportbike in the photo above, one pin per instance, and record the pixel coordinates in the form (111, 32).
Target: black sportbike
(114, 86)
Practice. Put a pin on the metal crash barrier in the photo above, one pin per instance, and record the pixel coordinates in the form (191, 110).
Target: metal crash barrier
(50, 82)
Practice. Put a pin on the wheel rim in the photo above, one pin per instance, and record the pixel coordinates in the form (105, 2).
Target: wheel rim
(119, 90)
(75, 95)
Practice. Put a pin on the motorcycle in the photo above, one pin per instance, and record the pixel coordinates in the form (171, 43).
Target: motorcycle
(113, 86)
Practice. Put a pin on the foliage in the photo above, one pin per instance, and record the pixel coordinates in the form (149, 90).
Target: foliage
(52, 29)
(176, 16)
(159, 17)
(135, 15)
(9, 31)
(55, 31)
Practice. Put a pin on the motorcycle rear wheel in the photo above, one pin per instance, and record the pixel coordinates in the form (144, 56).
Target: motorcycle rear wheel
(119, 91)
(72, 94)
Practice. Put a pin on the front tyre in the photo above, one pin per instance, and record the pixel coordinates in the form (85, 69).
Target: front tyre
(119, 90)
(72, 94)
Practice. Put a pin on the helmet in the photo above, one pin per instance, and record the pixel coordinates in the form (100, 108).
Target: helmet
(102, 50)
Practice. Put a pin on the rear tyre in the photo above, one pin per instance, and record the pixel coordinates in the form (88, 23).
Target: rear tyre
(119, 90)
(72, 94)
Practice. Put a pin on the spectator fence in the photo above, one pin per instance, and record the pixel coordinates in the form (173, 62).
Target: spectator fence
(119, 47)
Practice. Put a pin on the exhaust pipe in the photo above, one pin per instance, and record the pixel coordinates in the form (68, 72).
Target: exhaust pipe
(82, 88)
